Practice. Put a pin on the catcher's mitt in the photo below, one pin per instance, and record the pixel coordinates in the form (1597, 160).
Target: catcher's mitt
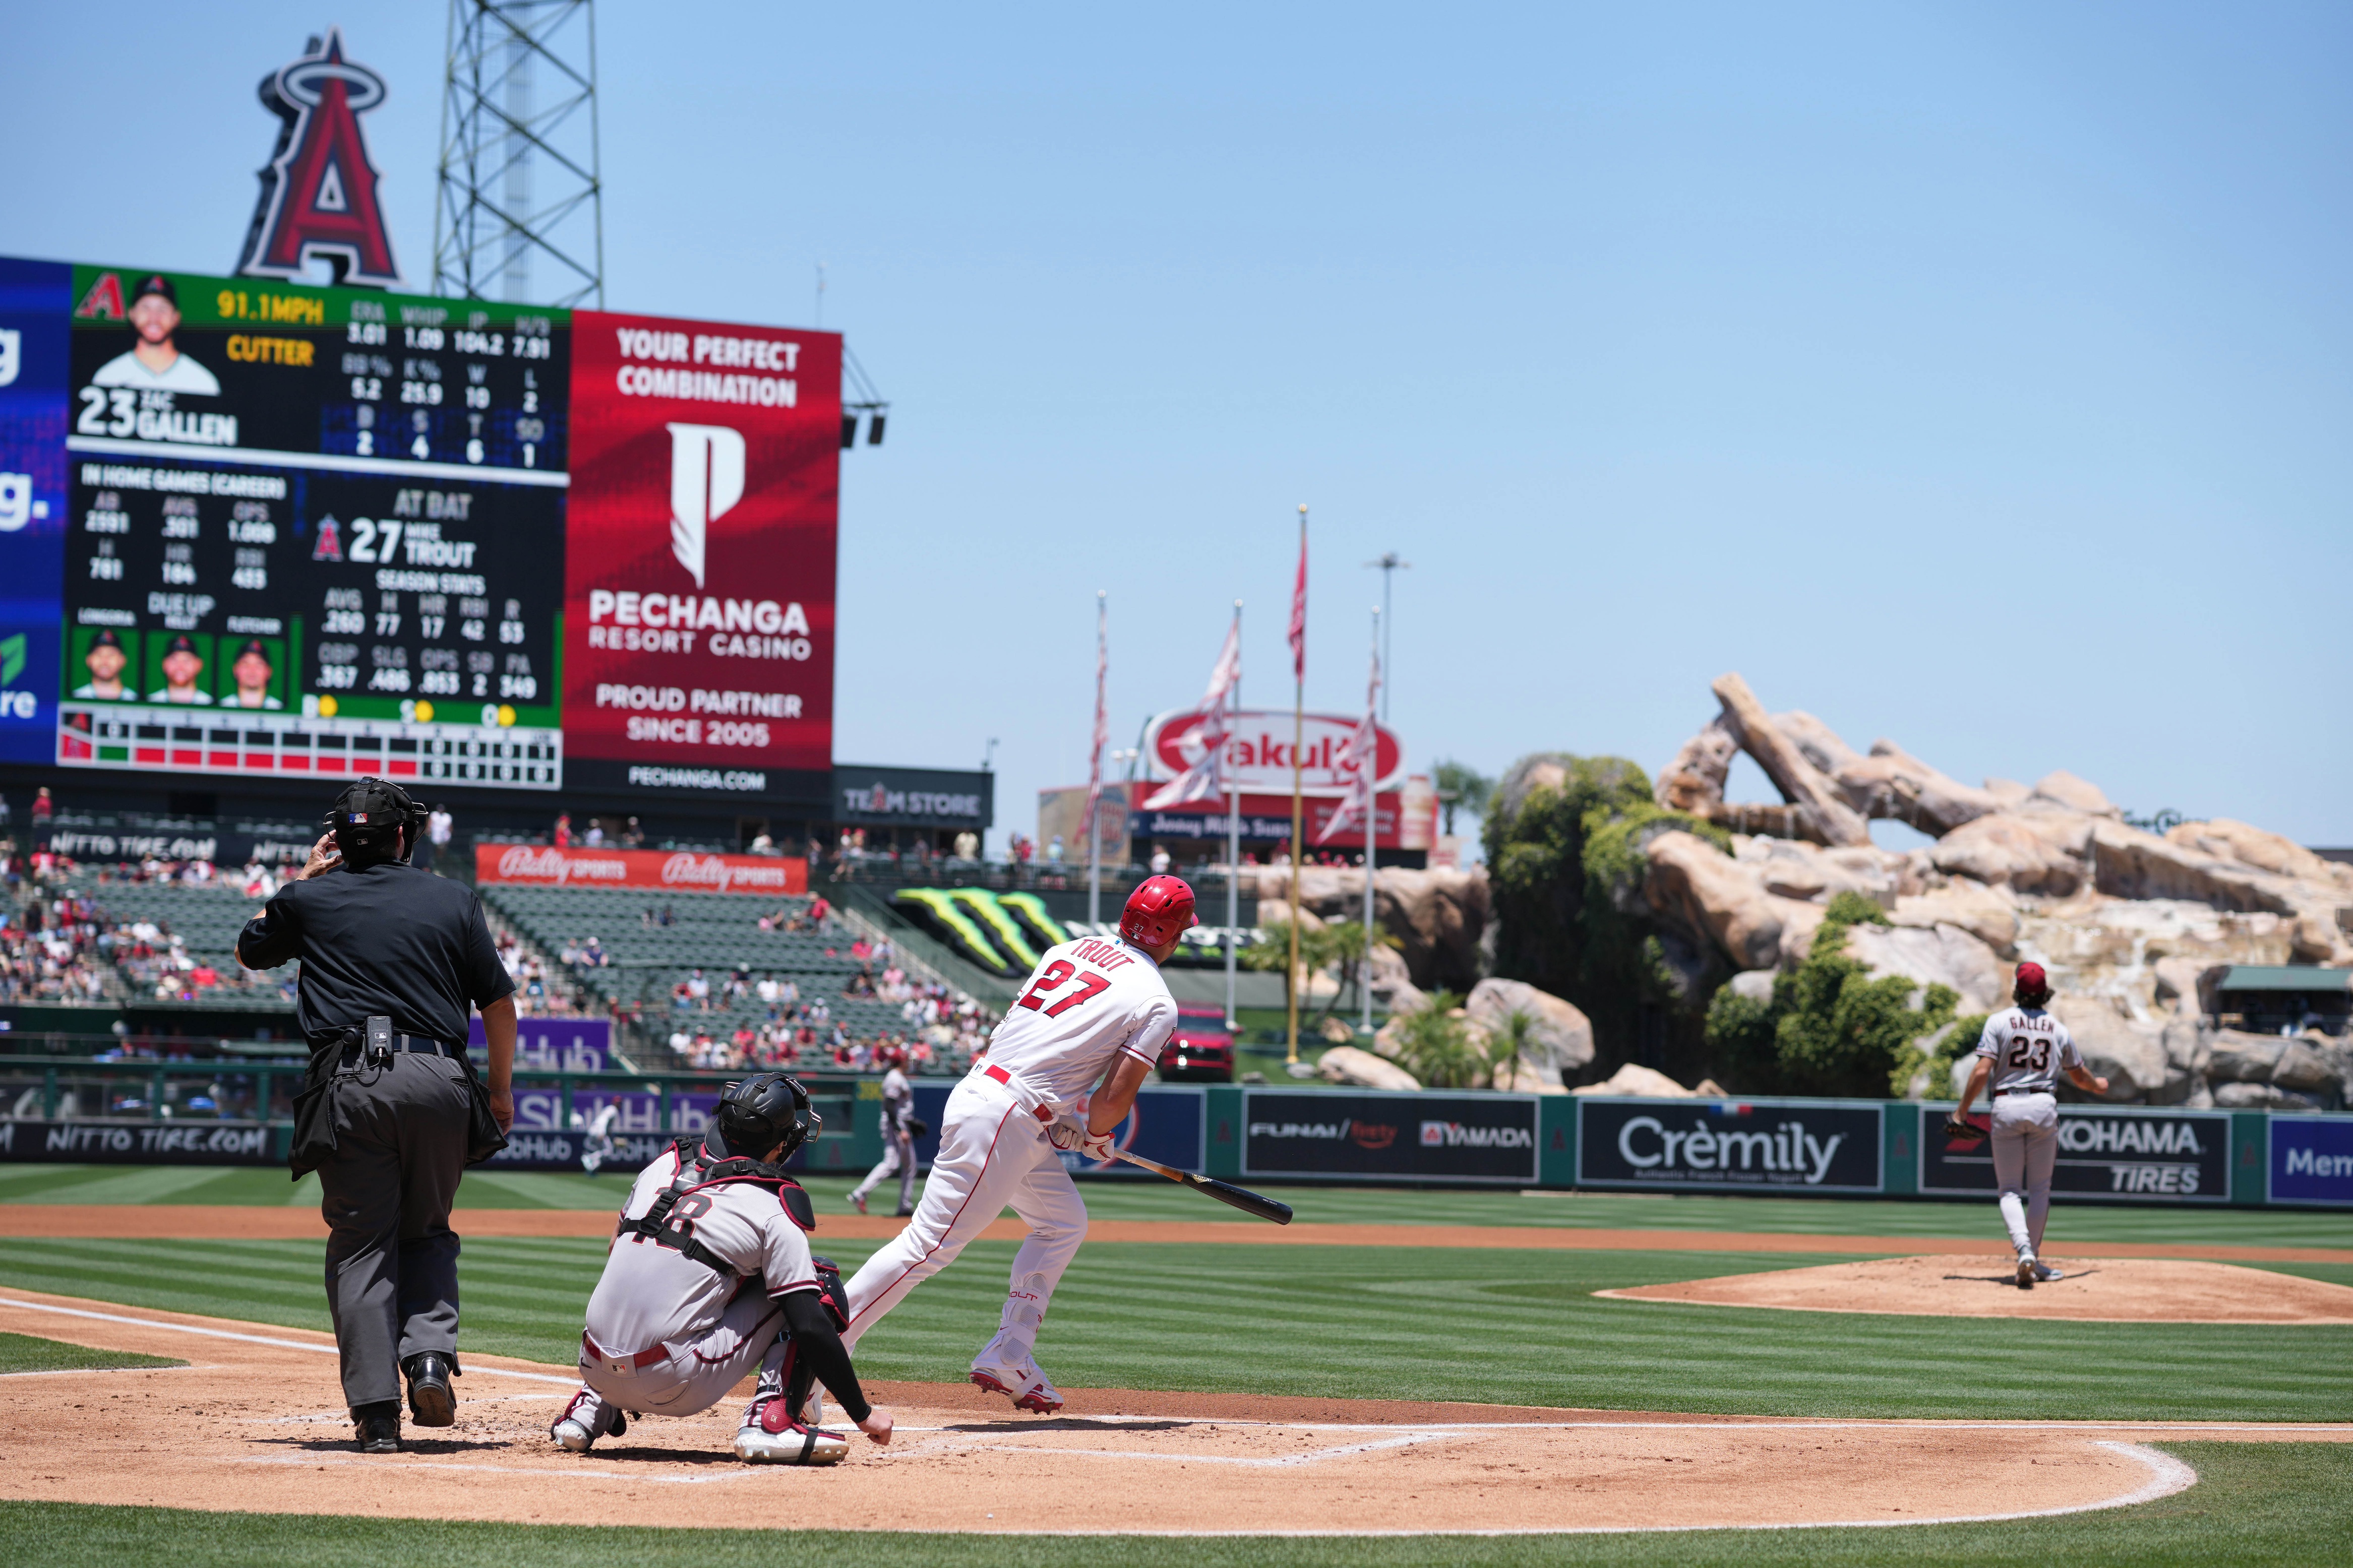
(1968, 1130)
(917, 1127)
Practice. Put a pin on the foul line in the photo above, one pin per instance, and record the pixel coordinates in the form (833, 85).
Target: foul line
(1286, 1461)
(308, 1461)
(230, 1334)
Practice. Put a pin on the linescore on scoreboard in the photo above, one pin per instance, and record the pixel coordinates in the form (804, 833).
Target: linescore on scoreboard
(266, 530)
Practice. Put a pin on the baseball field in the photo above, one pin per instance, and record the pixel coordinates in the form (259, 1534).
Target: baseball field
(1399, 1376)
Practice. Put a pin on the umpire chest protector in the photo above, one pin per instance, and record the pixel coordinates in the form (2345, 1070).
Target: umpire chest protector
(698, 1173)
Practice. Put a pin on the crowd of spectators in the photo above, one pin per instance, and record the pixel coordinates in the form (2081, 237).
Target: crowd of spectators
(535, 996)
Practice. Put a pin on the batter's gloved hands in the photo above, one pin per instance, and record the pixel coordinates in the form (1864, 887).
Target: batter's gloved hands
(1068, 1133)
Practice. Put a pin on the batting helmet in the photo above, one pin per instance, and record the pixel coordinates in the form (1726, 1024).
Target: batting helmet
(2032, 987)
(1157, 912)
(765, 1110)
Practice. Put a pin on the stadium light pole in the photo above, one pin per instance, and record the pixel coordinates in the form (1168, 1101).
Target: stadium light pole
(1390, 563)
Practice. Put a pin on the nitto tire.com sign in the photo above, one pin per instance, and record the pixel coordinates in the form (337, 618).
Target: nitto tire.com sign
(1727, 1145)
(2141, 1156)
(1464, 1138)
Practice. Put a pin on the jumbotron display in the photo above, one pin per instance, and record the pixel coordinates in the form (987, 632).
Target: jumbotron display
(258, 529)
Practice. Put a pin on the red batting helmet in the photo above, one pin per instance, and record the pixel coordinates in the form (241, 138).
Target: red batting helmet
(1157, 912)
(2032, 987)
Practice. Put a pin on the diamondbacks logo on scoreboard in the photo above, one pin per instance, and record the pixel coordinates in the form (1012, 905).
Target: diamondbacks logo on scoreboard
(318, 191)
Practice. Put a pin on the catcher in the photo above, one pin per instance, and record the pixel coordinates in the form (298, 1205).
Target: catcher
(709, 1276)
(2022, 1054)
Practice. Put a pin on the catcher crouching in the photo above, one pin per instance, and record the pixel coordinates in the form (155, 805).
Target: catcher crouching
(709, 1276)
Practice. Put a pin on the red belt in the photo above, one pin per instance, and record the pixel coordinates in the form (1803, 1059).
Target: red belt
(1001, 1076)
(638, 1362)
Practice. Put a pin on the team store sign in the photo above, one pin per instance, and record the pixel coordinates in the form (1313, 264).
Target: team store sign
(679, 871)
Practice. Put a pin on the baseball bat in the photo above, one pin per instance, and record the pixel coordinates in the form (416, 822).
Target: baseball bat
(1242, 1198)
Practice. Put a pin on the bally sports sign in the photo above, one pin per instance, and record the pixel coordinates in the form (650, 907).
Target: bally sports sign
(679, 871)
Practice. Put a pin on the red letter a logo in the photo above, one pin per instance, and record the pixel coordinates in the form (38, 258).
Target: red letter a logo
(319, 193)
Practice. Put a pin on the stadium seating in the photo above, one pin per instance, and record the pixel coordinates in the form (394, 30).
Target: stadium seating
(195, 926)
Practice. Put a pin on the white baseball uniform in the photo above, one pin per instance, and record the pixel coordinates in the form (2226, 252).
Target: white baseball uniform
(2029, 1049)
(1089, 1004)
(898, 1143)
(668, 1334)
(597, 1146)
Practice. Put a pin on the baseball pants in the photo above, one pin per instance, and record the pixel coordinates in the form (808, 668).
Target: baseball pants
(993, 1154)
(392, 1258)
(898, 1160)
(698, 1372)
(2025, 1147)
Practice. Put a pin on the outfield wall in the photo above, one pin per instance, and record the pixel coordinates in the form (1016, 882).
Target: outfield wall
(1249, 1133)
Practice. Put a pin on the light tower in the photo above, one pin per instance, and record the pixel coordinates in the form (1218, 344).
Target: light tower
(520, 212)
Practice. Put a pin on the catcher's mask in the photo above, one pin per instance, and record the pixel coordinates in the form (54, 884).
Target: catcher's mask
(765, 1110)
(374, 821)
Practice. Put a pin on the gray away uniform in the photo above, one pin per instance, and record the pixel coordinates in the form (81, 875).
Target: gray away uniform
(2029, 1049)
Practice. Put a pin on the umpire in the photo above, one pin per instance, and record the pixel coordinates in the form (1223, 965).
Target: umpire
(394, 960)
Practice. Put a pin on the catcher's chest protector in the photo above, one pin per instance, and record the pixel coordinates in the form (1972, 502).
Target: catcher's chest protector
(696, 1173)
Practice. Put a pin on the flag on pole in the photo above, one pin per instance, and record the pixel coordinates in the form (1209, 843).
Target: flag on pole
(1364, 748)
(1299, 608)
(1102, 722)
(1205, 780)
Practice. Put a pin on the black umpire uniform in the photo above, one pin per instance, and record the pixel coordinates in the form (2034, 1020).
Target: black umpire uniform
(394, 960)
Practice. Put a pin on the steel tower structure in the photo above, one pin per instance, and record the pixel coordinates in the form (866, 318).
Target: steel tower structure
(520, 212)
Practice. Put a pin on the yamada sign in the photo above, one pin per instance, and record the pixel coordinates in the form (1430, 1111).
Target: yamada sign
(1258, 751)
(1727, 1145)
(1476, 1138)
(681, 871)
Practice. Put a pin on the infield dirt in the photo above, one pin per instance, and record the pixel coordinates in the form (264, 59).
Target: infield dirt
(255, 1423)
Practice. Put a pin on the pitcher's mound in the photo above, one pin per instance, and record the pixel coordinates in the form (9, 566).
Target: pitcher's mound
(2102, 1290)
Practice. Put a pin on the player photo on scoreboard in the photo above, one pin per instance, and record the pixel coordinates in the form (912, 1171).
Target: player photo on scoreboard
(102, 657)
(176, 669)
(155, 363)
(255, 676)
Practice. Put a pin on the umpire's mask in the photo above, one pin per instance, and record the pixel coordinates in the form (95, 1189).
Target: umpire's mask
(374, 821)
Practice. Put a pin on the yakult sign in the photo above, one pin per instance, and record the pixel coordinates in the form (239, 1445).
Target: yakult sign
(681, 871)
(1258, 751)
(700, 562)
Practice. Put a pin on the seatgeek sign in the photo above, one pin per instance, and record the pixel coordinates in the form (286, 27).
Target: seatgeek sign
(1711, 1145)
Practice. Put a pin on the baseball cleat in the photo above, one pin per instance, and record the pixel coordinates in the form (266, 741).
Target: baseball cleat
(2026, 1270)
(774, 1437)
(1000, 1370)
(585, 1420)
(2044, 1272)
(431, 1402)
(377, 1431)
(858, 1202)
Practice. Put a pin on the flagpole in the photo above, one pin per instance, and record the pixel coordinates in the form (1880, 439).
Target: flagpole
(1367, 767)
(1233, 848)
(1298, 806)
(1094, 769)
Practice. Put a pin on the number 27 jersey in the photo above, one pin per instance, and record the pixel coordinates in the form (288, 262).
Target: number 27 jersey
(2029, 1048)
(1088, 1002)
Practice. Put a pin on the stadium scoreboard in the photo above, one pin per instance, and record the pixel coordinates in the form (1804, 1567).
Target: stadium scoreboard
(263, 530)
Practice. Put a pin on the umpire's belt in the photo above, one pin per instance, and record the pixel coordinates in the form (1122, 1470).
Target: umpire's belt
(636, 1362)
(418, 1043)
(1038, 1109)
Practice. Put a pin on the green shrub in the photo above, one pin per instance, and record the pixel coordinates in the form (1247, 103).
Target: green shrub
(1831, 1028)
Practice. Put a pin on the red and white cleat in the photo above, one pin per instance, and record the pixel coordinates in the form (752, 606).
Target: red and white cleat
(1007, 1369)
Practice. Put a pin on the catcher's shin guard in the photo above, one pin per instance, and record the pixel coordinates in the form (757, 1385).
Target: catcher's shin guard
(776, 1438)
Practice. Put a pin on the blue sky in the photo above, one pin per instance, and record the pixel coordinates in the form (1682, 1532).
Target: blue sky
(1976, 376)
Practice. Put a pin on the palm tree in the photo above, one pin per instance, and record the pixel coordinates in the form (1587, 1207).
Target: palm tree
(1460, 786)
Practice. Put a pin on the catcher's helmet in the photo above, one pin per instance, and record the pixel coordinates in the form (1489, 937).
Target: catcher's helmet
(1157, 912)
(374, 820)
(768, 1108)
(2032, 987)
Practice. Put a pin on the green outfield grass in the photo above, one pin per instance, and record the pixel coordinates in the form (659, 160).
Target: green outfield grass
(1488, 1325)
(1335, 1205)
(2255, 1503)
(22, 1352)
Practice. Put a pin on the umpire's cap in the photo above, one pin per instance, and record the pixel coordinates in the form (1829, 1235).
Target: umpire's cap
(764, 1111)
(374, 820)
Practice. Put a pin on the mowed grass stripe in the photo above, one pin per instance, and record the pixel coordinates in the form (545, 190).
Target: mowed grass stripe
(2253, 1503)
(1493, 1326)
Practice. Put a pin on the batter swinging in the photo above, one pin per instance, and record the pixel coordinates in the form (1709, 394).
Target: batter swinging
(1092, 1017)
